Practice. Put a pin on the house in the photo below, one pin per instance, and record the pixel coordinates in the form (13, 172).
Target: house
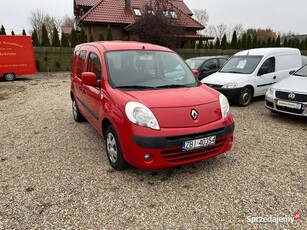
(95, 15)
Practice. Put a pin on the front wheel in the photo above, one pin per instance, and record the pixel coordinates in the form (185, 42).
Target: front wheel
(245, 97)
(113, 149)
(9, 76)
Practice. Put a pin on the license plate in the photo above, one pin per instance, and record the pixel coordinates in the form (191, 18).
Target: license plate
(289, 104)
(198, 143)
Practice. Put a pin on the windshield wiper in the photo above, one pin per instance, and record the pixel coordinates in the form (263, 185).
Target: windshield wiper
(134, 87)
(171, 86)
(233, 72)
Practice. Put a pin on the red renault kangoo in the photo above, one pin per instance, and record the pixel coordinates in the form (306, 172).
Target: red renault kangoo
(148, 106)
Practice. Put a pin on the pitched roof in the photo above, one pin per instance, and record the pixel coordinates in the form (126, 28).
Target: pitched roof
(113, 11)
(86, 2)
(182, 7)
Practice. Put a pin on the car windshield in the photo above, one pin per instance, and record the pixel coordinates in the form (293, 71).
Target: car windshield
(241, 64)
(302, 72)
(194, 63)
(145, 70)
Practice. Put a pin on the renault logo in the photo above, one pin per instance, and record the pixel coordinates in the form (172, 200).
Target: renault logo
(291, 96)
(194, 114)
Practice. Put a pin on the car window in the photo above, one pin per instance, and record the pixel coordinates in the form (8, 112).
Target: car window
(148, 69)
(80, 63)
(94, 65)
(269, 64)
(211, 64)
(222, 61)
(241, 64)
(194, 63)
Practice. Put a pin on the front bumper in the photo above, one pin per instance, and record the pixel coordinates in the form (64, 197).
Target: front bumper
(167, 151)
(271, 104)
(232, 94)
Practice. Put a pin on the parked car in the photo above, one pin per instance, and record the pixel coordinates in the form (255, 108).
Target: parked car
(146, 103)
(206, 65)
(289, 95)
(250, 73)
(304, 60)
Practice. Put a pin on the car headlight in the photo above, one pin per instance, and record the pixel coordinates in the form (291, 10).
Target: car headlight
(224, 106)
(140, 115)
(230, 85)
(271, 91)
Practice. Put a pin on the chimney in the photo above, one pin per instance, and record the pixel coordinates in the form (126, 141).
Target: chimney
(128, 5)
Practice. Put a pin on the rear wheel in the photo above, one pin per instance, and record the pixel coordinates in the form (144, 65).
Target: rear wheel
(9, 76)
(75, 111)
(113, 149)
(245, 97)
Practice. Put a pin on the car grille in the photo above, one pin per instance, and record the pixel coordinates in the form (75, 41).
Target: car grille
(289, 110)
(176, 155)
(298, 97)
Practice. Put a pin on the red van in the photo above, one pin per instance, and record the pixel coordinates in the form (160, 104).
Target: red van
(16, 56)
(146, 103)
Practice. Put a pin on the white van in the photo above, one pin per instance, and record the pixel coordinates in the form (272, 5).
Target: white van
(250, 73)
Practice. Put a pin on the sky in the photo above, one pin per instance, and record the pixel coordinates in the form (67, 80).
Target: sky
(279, 15)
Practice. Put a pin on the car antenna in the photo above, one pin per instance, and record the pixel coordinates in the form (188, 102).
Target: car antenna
(143, 47)
(247, 53)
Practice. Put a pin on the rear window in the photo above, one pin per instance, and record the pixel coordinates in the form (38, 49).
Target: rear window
(80, 63)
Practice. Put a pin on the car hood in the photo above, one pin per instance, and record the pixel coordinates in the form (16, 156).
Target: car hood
(292, 83)
(173, 107)
(219, 78)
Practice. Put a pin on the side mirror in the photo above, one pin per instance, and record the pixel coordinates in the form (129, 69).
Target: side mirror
(263, 70)
(292, 72)
(89, 78)
(195, 72)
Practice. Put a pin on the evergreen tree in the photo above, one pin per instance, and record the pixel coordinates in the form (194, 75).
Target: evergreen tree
(35, 41)
(302, 45)
(224, 43)
(285, 43)
(217, 44)
(255, 42)
(101, 37)
(2, 30)
(277, 42)
(83, 38)
(12, 33)
(239, 45)
(45, 39)
(273, 43)
(109, 33)
(305, 41)
(249, 42)
(244, 42)
(211, 46)
(64, 40)
(24, 32)
(55, 38)
(73, 38)
(234, 40)
(259, 44)
(200, 44)
(269, 42)
(263, 44)
(91, 38)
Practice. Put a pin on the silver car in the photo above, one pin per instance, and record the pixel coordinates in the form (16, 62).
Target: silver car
(289, 95)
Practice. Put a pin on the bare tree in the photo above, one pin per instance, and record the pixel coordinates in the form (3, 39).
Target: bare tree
(221, 30)
(68, 21)
(201, 16)
(239, 30)
(38, 17)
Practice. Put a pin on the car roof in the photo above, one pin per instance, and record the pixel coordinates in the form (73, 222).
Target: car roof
(268, 51)
(124, 45)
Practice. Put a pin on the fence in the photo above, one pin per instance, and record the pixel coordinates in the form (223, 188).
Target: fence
(57, 59)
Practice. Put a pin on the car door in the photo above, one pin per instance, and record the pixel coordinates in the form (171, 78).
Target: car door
(78, 69)
(92, 94)
(266, 76)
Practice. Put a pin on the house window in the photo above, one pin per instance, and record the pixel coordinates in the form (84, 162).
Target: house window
(173, 14)
(151, 12)
(166, 13)
(137, 12)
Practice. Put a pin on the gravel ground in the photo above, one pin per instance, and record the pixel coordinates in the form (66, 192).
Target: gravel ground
(54, 172)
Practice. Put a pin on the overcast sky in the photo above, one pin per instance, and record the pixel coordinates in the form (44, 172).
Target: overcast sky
(279, 15)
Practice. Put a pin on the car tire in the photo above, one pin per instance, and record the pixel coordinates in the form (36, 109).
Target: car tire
(245, 97)
(113, 149)
(78, 117)
(9, 76)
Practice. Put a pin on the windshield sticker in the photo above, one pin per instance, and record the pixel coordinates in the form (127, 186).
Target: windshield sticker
(241, 64)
